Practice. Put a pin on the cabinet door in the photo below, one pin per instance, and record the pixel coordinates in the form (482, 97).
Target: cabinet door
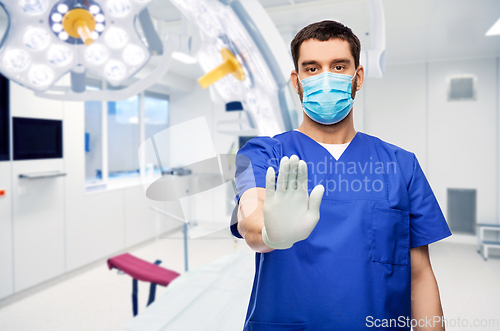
(38, 215)
(6, 276)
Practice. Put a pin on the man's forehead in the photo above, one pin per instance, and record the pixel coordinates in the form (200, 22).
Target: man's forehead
(316, 50)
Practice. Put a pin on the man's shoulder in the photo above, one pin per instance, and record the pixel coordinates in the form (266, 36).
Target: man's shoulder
(271, 140)
(401, 155)
(264, 144)
(389, 147)
(284, 135)
(391, 153)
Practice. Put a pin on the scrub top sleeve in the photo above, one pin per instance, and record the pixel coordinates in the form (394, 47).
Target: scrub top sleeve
(427, 222)
(252, 161)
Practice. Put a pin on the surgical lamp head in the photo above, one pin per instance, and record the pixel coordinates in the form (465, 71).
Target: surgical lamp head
(46, 39)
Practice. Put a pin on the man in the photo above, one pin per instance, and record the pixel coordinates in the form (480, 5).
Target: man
(342, 239)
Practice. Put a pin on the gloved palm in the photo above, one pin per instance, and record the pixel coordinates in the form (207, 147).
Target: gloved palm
(290, 214)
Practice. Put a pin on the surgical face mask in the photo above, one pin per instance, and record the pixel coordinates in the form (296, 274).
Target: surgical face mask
(327, 97)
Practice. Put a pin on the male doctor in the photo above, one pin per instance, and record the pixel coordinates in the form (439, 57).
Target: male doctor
(340, 220)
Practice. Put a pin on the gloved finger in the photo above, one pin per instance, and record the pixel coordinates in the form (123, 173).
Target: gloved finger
(292, 175)
(283, 174)
(315, 200)
(302, 177)
(270, 177)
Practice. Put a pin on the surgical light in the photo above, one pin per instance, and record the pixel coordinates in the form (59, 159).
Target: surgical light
(36, 39)
(57, 28)
(495, 29)
(16, 60)
(243, 56)
(56, 17)
(115, 70)
(41, 75)
(63, 35)
(96, 54)
(99, 18)
(47, 39)
(33, 7)
(99, 27)
(62, 8)
(94, 9)
(116, 38)
(59, 55)
(118, 8)
(133, 54)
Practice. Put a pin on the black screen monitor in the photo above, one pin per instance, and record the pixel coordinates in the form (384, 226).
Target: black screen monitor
(4, 119)
(37, 138)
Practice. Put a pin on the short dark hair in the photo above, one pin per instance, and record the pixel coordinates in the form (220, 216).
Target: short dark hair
(324, 31)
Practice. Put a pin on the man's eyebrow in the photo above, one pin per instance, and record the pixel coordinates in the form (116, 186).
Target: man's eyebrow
(335, 61)
(306, 63)
(340, 61)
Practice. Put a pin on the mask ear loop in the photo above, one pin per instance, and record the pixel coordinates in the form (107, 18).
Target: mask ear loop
(355, 73)
(353, 76)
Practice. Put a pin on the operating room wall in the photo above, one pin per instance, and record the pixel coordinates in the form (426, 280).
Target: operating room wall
(38, 204)
(52, 226)
(121, 159)
(396, 108)
(103, 222)
(6, 275)
(456, 142)
(93, 159)
(187, 106)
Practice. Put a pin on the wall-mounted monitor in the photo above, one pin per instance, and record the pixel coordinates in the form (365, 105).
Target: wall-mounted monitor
(37, 138)
(4, 119)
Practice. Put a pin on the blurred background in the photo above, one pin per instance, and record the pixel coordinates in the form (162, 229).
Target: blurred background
(79, 158)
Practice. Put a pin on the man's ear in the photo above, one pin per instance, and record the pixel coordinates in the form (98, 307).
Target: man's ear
(294, 79)
(360, 77)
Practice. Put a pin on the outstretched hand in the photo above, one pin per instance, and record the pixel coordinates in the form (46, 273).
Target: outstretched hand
(290, 214)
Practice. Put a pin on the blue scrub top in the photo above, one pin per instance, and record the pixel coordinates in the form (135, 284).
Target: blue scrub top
(354, 268)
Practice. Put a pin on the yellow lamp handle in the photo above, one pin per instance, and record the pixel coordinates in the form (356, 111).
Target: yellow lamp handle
(79, 23)
(83, 31)
(229, 66)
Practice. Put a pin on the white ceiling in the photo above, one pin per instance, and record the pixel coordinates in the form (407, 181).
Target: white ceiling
(416, 30)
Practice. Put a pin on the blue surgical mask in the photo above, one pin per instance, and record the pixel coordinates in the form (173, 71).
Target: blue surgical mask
(327, 97)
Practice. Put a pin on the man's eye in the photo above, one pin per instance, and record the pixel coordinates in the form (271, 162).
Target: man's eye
(312, 70)
(339, 68)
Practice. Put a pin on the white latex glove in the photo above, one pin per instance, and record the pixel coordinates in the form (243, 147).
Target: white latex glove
(290, 214)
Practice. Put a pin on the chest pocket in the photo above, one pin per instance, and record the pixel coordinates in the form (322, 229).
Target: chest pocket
(390, 236)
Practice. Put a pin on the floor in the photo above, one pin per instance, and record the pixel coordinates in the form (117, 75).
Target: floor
(469, 286)
(99, 299)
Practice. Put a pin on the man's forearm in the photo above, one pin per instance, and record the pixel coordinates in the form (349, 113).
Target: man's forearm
(251, 219)
(425, 301)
